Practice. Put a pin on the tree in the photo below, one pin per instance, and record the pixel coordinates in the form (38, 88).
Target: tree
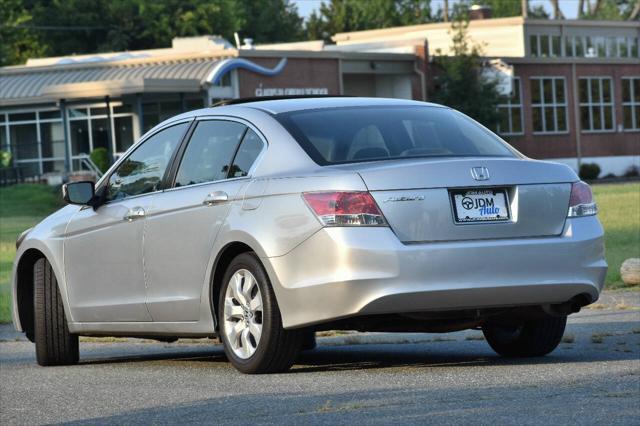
(538, 12)
(557, 12)
(270, 21)
(337, 16)
(80, 26)
(613, 10)
(504, 8)
(32, 28)
(580, 13)
(413, 12)
(17, 42)
(459, 82)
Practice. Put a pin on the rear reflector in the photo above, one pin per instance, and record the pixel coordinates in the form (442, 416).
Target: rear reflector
(581, 201)
(345, 208)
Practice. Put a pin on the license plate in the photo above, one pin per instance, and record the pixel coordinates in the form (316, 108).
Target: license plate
(480, 205)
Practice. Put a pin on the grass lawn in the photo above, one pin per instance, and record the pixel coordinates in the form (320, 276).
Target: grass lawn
(22, 206)
(619, 206)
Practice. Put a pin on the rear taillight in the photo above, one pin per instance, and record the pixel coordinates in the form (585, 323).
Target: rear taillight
(345, 208)
(581, 201)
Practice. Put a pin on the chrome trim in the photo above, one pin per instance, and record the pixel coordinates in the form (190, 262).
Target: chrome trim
(255, 164)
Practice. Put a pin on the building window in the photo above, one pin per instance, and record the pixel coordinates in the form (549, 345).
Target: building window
(631, 103)
(549, 104)
(596, 104)
(510, 122)
(600, 46)
(158, 111)
(90, 128)
(545, 46)
(34, 140)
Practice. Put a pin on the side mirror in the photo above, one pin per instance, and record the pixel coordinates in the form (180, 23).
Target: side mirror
(80, 193)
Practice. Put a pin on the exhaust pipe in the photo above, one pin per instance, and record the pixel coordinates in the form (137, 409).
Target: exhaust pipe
(567, 308)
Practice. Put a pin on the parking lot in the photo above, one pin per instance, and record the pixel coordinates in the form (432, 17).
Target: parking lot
(593, 377)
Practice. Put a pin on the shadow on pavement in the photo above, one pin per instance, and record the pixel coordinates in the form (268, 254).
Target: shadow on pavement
(447, 403)
(379, 356)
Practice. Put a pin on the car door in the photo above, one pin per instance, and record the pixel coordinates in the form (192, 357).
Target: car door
(103, 247)
(186, 218)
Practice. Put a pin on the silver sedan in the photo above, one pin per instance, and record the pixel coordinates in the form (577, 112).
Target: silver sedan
(263, 222)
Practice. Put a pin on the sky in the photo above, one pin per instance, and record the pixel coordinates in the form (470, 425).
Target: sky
(569, 7)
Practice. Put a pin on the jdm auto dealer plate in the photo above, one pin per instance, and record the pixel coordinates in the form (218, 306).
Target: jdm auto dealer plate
(480, 205)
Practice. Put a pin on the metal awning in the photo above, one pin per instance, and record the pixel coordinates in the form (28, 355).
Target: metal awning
(28, 85)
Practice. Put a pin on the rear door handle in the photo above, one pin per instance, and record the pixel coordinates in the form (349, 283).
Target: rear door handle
(134, 213)
(217, 197)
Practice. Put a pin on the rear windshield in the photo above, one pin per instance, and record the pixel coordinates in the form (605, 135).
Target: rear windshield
(353, 134)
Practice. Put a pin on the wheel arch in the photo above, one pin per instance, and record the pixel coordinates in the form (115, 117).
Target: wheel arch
(24, 291)
(222, 261)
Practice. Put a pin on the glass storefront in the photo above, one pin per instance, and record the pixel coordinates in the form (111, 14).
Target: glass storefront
(36, 138)
(157, 112)
(79, 137)
(26, 136)
(90, 128)
(123, 127)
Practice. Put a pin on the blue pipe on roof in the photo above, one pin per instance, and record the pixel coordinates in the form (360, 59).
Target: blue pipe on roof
(226, 65)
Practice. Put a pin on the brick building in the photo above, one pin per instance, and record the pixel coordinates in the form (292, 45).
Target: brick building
(55, 111)
(575, 84)
(574, 87)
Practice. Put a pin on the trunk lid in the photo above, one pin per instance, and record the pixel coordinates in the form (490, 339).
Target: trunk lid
(416, 196)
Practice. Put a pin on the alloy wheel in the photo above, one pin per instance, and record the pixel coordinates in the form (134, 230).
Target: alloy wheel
(243, 314)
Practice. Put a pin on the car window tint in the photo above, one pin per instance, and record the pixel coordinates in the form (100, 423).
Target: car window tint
(209, 152)
(247, 154)
(389, 132)
(143, 170)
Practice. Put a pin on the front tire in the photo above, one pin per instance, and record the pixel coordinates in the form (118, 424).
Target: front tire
(529, 339)
(54, 344)
(250, 322)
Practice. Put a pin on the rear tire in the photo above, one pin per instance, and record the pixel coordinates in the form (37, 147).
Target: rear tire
(530, 339)
(54, 344)
(275, 349)
(309, 341)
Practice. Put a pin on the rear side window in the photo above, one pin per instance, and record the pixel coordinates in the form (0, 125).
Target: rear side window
(209, 152)
(352, 134)
(247, 154)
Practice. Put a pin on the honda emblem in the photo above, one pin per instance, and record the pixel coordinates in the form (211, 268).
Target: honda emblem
(480, 173)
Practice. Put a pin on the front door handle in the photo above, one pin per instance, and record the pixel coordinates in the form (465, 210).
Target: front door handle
(217, 197)
(134, 213)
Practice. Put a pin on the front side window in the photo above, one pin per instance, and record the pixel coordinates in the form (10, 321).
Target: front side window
(549, 104)
(209, 152)
(596, 104)
(142, 171)
(510, 122)
(353, 134)
(631, 103)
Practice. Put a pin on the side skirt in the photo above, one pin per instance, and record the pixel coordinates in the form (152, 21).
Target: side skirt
(195, 329)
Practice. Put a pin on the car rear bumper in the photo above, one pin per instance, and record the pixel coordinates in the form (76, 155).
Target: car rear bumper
(342, 272)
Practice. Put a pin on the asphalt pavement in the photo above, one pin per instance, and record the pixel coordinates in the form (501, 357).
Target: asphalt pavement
(592, 378)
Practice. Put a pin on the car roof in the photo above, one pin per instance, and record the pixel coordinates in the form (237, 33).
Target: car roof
(277, 106)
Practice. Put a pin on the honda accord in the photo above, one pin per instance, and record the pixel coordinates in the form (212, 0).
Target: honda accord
(264, 221)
